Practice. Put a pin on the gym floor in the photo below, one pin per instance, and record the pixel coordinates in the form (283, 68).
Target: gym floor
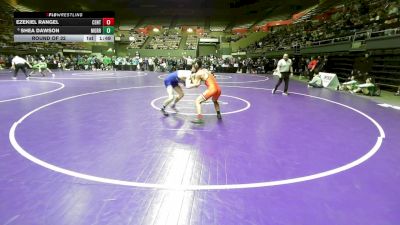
(93, 148)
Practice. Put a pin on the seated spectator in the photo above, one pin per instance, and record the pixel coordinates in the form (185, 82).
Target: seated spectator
(349, 85)
(393, 9)
(359, 76)
(365, 88)
(398, 92)
(316, 82)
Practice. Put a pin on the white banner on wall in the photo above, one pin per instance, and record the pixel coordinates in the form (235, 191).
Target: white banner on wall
(238, 53)
(329, 80)
(76, 51)
(209, 40)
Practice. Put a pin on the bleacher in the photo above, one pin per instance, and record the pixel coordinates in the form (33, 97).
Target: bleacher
(384, 68)
(6, 25)
(339, 23)
(217, 28)
(165, 42)
(192, 42)
(137, 40)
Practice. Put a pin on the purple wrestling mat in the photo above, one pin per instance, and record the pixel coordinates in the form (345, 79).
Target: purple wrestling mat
(93, 148)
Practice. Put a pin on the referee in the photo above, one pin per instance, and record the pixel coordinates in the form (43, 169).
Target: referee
(285, 69)
(19, 63)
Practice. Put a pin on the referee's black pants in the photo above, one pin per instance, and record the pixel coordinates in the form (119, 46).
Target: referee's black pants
(20, 67)
(284, 77)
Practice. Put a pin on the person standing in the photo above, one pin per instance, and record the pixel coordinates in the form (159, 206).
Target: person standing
(189, 62)
(363, 65)
(285, 69)
(311, 67)
(151, 64)
(302, 67)
(19, 63)
(172, 84)
(213, 90)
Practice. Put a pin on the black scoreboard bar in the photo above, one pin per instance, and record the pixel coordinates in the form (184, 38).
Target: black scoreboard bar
(37, 15)
(64, 26)
(59, 30)
(59, 22)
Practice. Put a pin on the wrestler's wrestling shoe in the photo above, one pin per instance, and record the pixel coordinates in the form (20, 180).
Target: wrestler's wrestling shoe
(173, 107)
(198, 121)
(164, 112)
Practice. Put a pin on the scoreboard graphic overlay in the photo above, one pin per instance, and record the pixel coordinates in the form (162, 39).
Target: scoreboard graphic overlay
(64, 26)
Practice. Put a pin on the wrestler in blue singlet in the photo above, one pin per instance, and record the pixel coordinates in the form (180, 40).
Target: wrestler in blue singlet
(171, 82)
(172, 79)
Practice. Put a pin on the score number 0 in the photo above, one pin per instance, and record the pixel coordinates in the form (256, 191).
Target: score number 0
(108, 21)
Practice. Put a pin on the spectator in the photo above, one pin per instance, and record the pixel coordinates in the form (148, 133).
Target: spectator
(302, 67)
(316, 82)
(365, 88)
(322, 64)
(363, 66)
(311, 67)
(349, 85)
